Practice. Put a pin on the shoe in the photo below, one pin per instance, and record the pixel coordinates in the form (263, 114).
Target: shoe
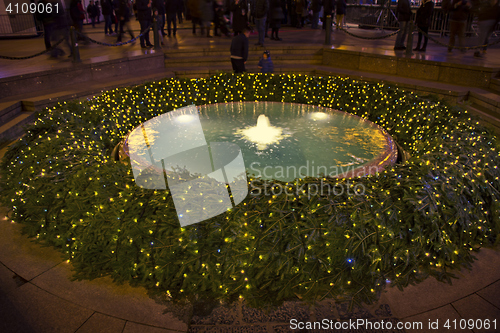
(417, 49)
(149, 45)
(478, 54)
(278, 39)
(422, 50)
(400, 48)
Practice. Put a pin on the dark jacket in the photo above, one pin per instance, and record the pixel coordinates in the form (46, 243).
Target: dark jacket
(172, 6)
(123, 10)
(341, 7)
(107, 7)
(424, 13)
(459, 10)
(261, 8)
(316, 6)
(266, 64)
(328, 6)
(239, 47)
(276, 10)
(404, 10)
(76, 10)
(143, 11)
(485, 10)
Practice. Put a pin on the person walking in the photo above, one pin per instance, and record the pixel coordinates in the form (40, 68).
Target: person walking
(260, 14)
(92, 12)
(316, 8)
(277, 16)
(107, 12)
(239, 51)
(404, 15)
(171, 9)
(328, 6)
(145, 17)
(195, 14)
(487, 18)
(423, 21)
(459, 11)
(207, 14)
(123, 15)
(341, 9)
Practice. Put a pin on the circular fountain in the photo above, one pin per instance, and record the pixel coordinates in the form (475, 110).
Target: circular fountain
(285, 141)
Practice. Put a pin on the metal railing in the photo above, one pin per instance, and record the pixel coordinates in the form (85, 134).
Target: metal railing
(358, 14)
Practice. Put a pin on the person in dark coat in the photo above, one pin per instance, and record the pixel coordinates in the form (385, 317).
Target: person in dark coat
(239, 10)
(423, 21)
(171, 9)
(195, 14)
(123, 15)
(487, 13)
(277, 15)
(341, 8)
(92, 12)
(404, 15)
(265, 63)
(77, 14)
(239, 51)
(316, 8)
(328, 6)
(107, 12)
(207, 14)
(459, 11)
(145, 17)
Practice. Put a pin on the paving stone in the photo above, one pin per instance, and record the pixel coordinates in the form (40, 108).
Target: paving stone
(431, 294)
(105, 296)
(102, 324)
(491, 293)
(35, 310)
(439, 316)
(9, 280)
(131, 327)
(354, 313)
(476, 308)
(22, 255)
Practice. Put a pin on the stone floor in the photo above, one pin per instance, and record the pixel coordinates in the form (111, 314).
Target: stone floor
(38, 295)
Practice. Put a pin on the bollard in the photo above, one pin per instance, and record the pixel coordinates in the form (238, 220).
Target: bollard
(328, 30)
(409, 43)
(75, 51)
(155, 35)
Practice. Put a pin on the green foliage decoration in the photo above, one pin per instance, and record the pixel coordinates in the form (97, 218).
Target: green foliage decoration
(418, 218)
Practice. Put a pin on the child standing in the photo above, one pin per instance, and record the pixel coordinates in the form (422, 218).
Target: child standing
(265, 63)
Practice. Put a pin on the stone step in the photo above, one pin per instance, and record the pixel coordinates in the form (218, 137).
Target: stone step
(15, 127)
(495, 85)
(9, 111)
(488, 100)
(220, 60)
(252, 50)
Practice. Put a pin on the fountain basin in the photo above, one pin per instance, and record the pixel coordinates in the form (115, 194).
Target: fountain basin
(285, 141)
